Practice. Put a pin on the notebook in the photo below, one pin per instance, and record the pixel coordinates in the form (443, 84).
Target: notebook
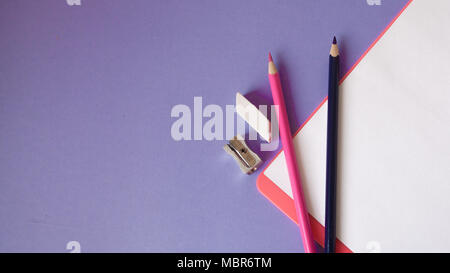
(394, 135)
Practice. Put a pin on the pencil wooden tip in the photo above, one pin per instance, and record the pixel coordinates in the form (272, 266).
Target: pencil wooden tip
(272, 67)
(334, 51)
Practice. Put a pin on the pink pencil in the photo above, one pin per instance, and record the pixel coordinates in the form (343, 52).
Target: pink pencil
(291, 161)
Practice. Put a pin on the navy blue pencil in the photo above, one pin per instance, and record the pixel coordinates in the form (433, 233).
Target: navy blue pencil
(332, 136)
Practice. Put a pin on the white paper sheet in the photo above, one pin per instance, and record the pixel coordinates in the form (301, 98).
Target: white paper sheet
(394, 141)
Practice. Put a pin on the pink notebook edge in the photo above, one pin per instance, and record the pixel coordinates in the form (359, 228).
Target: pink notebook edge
(278, 197)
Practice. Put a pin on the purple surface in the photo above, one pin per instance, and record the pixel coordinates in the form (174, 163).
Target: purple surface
(85, 98)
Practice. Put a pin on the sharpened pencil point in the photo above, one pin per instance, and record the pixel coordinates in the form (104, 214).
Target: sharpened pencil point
(334, 51)
(272, 67)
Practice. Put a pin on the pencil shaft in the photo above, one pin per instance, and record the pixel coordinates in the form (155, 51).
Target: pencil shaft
(291, 163)
(331, 171)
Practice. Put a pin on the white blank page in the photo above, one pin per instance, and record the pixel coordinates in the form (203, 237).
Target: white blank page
(394, 141)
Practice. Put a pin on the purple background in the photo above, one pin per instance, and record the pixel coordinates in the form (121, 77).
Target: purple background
(85, 98)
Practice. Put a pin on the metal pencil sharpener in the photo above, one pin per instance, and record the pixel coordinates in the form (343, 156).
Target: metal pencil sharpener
(247, 160)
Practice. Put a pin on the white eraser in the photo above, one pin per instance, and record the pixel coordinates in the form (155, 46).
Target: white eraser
(251, 114)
